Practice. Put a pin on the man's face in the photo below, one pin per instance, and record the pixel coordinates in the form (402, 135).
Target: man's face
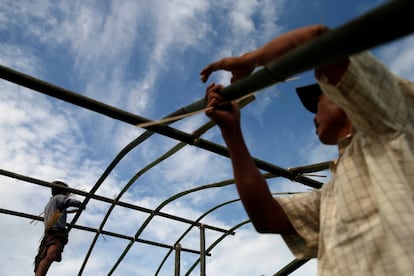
(331, 122)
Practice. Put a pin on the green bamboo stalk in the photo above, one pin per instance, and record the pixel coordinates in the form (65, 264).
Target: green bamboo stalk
(383, 24)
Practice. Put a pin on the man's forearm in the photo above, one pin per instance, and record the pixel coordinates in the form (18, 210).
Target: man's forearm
(283, 44)
(264, 211)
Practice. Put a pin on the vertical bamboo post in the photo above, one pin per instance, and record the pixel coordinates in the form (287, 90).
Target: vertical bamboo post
(177, 259)
(202, 250)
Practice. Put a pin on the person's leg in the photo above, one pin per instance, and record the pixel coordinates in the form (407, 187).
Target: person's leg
(52, 253)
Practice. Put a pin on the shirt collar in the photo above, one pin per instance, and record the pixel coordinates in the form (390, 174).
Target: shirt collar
(344, 142)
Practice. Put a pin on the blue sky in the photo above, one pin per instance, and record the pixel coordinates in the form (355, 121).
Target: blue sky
(145, 57)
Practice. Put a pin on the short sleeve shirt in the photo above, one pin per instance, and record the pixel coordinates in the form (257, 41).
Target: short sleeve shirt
(362, 221)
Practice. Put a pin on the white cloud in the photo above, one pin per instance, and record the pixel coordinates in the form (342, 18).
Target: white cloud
(399, 56)
(19, 58)
(246, 256)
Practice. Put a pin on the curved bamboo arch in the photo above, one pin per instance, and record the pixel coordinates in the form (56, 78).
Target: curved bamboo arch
(298, 170)
(200, 131)
(218, 184)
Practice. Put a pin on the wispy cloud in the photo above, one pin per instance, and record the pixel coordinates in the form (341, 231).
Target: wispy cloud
(399, 57)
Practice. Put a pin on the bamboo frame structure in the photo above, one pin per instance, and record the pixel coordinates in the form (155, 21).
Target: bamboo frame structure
(384, 24)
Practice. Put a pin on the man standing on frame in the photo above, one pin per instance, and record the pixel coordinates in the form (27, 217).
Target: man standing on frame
(56, 235)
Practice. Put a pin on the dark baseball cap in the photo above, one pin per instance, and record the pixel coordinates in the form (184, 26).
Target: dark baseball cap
(309, 96)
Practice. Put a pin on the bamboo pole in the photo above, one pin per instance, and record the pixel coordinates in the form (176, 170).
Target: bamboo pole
(103, 232)
(290, 267)
(127, 117)
(384, 24)
(109, 200)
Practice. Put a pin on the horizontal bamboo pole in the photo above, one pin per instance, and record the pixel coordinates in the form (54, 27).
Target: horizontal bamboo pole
(127, 117)
(383, 24)
(110, 201)
(98, 231)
